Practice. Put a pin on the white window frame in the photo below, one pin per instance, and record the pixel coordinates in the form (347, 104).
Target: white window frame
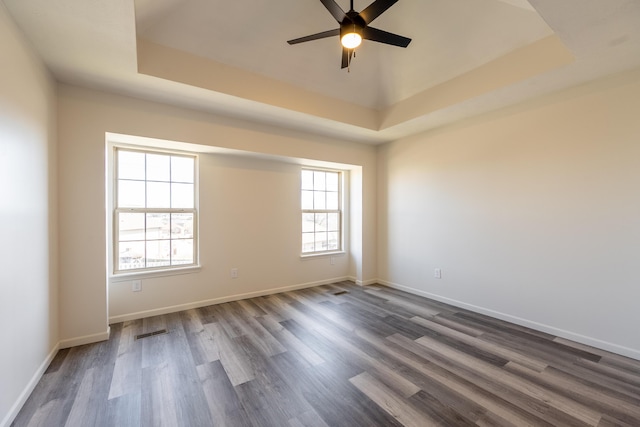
(339, 211)
(117, 210)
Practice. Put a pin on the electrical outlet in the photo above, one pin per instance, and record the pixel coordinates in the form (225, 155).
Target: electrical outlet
(136, 285)
(437, 273)
(333, 260)
(234, 273)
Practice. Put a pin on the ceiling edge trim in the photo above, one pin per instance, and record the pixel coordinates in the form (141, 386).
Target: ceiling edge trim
(172, 64)
(539, 57)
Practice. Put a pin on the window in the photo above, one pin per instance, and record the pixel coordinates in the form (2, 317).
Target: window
(321, 211)
(155, 218)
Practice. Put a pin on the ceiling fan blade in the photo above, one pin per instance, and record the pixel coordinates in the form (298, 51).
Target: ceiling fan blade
(317, 36)
(335, 10)
(347, 54)
(376, 9)
(380, 36)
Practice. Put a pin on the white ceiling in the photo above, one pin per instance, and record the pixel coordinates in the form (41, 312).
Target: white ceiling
(466, 57)
(450, 37)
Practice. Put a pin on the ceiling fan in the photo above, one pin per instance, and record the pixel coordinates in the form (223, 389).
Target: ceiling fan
(354, 27)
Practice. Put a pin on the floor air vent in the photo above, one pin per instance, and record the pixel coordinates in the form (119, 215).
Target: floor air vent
(341, 292)
(150, 334)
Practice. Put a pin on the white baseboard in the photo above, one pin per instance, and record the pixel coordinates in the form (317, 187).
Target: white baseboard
(87, 339)
(362, 282)
(220, 300)
(582, 339)
(15, 409)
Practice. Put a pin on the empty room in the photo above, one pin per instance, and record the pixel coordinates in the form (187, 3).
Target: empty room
(319, 213)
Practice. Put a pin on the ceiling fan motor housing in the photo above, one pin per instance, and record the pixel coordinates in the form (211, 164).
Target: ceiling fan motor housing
(353, 23)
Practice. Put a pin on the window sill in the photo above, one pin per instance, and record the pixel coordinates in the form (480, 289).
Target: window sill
(123, 277)
(323, 254)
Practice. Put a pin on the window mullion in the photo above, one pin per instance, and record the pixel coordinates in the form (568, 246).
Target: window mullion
(146, 257)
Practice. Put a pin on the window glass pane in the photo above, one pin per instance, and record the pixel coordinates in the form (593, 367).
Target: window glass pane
(307, 200)
(319, 200)
(182, 251)
(157, 226)
(158, 167)
(130, 255)
(130, 194)
(158, 195)
(332, 181)
(333, 222)
(308, 242)
(182, 196)
(308, 224)
(307, 180)
(130, 226)
(332, 201)
(321, 221)
(182, 226)
(158, 253)
(321, 241)
(319, 180)
(182, 169)
(130, 165)
(333, 244)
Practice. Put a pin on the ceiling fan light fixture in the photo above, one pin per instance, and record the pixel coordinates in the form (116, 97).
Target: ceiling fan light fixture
(354, 27)
(351, 40)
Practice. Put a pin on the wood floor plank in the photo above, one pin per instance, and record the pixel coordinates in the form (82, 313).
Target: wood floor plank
(395, 405)
(559, 360)
(124, 411)
(44, 415)
(307, 419)
(452, 324)
(232, 326)
(204, 347)
(333, 397)
(387, 374)
(231, 356)
(154, 352)
(249, 307)
(587, 396)
(263, 340)
(370, 356)
(500, 404)
(562, 404)
(223, 403)
(422, 373)
(86, 410)
(159, 396)
(413, 308)
(622, 363)
(505, 353)
(207, 314)
(280, 403)
(290, 341)
(127, 375)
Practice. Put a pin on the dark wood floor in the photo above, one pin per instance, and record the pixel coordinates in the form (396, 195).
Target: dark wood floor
(371, 357)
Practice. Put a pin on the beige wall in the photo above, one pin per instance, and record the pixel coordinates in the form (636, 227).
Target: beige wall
(264, 248)
(28, 235)
(533, 216)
